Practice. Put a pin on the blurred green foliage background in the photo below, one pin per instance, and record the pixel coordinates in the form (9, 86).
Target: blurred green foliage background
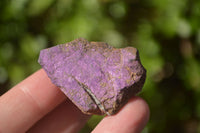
(166, 32)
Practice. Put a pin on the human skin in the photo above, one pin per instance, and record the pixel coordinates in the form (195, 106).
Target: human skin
(36, 105)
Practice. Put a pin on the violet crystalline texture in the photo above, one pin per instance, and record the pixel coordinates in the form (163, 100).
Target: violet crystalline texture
(97, 78)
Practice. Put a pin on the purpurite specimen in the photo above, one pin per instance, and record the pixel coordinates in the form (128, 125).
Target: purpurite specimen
(98, 78)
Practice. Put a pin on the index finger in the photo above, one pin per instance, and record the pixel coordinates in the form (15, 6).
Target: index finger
(27, 102)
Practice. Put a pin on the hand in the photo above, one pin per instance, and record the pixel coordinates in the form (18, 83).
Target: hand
(37, 106)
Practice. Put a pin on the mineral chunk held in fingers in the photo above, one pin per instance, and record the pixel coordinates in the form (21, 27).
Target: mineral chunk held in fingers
(97, 78)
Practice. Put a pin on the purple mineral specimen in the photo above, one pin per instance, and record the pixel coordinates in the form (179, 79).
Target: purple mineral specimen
(98, 78)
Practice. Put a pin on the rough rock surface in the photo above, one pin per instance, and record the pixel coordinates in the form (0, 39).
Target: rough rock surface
(98, 78)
